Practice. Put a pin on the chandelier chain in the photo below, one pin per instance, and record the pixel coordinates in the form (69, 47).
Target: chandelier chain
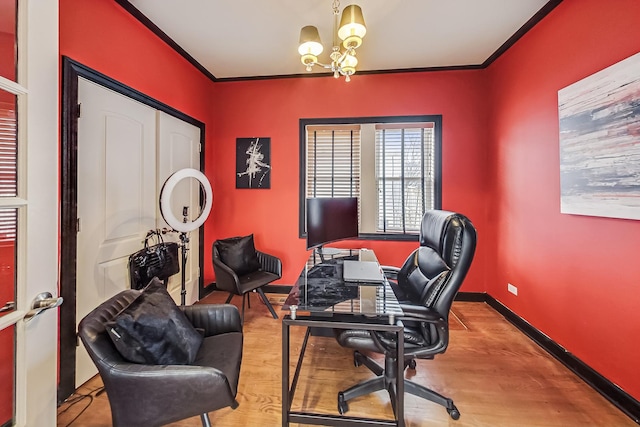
(336, 7)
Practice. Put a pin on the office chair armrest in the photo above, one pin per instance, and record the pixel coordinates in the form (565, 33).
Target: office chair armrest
(427, 317)
(390, 272)
(270, 263)
(215, 319)
(226, 278)
(419, 313)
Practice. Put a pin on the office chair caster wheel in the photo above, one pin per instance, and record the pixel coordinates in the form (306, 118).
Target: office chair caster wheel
(412, 364)
(343, 406)
(454, 413)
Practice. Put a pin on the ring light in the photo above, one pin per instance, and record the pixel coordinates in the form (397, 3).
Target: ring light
(165, 200)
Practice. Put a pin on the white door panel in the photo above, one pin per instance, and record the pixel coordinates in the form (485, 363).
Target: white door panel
(116, 195)
(36, 257)
(179, 148)
(126, 151)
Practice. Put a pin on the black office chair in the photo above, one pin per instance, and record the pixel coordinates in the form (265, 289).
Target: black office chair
(241, 269)
(153, 395)
(427, 284)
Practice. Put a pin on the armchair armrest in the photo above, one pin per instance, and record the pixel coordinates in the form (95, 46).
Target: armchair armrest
(270, 263)
(142, 392)
(215, 319)
(226, 278)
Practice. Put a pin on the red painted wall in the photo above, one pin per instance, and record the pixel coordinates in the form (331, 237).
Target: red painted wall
(103, 36)
(500, 161)
(7, 255)
(7, 293)
(272, 108)
(7, 53)
(577, 276)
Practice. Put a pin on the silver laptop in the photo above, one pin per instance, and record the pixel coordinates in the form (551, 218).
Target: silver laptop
(362, 272)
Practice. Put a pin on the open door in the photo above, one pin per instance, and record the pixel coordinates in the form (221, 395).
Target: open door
(28, 212)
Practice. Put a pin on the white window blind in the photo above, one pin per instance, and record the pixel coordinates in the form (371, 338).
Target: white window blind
(333, 161)
(405, 173)
(8, 170)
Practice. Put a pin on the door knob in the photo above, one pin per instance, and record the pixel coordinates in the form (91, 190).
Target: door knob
(42, 302)
(10, 305)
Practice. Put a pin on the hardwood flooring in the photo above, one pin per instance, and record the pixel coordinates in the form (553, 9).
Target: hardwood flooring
(495, 375)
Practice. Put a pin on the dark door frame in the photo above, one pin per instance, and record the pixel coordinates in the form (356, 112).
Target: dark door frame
(71, 71)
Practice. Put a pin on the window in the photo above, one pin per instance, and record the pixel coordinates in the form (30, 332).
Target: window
(392, 164)
(8, 166)
(333, 161)
(404, 175)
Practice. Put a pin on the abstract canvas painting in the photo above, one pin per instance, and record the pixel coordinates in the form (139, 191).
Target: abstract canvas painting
(253, 163)
(600, 143)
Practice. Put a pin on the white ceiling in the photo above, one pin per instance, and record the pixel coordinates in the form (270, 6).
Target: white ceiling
(250, 38)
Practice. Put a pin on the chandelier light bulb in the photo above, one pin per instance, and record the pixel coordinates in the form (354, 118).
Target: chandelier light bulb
(349, 64)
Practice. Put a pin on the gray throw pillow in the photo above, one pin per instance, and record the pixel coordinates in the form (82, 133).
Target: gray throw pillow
(153, 330)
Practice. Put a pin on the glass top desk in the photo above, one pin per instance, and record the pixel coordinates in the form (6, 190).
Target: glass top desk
(321, 299)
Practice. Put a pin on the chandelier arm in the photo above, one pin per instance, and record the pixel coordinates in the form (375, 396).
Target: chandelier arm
(320, 64)
(343, 56)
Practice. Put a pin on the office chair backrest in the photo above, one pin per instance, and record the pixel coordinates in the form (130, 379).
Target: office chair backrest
(447, 247)
(433, 273)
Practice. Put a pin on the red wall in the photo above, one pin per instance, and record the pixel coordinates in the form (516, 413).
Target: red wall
(272, 108)
(103, 36)
(7, 293)
(577, 276)
(500, 161)
(7, 53)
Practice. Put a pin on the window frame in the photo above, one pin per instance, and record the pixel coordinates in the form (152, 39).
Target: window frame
(304, 122)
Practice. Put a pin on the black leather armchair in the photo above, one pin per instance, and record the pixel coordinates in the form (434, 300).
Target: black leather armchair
(426, 286)
(227, 279)
(154, 395)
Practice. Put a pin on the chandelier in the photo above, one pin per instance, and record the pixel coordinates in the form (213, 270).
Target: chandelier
(350, 29)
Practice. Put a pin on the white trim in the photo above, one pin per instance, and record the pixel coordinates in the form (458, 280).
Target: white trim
(12, 202)
(12, 87)
(11, 318)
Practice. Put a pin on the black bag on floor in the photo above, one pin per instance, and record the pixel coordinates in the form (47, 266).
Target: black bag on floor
(159, 260)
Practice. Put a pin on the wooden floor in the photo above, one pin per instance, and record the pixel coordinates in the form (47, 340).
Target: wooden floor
(495, 375)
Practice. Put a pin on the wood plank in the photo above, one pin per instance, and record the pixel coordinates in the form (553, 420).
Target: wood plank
(494, 373)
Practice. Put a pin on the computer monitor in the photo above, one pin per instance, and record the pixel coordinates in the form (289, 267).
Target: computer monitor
(330, 219)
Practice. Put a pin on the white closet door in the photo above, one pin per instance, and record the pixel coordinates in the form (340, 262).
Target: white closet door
(179, 148)
(117, 196)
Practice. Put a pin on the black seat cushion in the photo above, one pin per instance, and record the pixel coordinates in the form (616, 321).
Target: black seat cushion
(255, 279)
(239, 254)
(153, 330)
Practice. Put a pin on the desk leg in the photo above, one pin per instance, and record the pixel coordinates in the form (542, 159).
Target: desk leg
(286, 405)
(400, 378)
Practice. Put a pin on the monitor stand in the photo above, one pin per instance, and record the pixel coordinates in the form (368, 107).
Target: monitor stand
(322, 251)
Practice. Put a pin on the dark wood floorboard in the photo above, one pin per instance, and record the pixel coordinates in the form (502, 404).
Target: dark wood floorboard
(495, 375)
